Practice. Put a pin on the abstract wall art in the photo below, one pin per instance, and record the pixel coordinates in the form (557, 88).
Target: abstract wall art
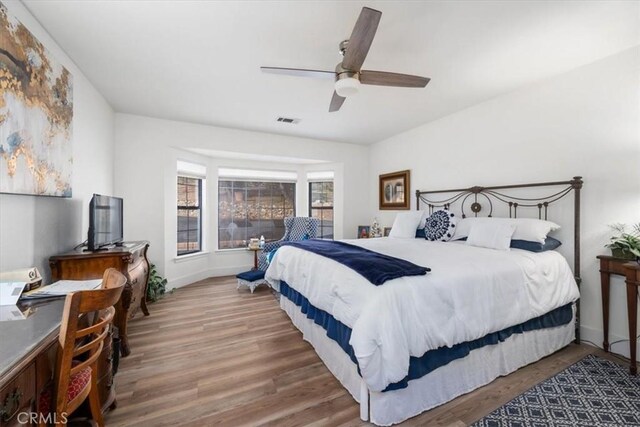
(36, 115)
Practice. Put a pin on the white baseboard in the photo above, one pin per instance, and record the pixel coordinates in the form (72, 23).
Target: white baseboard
(621, 346)
(204, 274)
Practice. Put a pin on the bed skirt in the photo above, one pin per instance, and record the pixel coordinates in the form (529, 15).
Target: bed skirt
(460, 376)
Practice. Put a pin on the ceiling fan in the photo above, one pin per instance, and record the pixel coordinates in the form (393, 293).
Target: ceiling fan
(348, 75)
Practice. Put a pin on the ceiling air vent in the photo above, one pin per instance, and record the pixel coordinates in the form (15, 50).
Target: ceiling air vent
(288, 120)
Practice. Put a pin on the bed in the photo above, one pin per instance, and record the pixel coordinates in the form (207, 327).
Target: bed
(416, 342)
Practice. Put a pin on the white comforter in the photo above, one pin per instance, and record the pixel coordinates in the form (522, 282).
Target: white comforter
(469, 293)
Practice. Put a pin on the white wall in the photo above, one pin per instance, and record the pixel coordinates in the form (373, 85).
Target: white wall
(146, 154)
(34, 228)
(585, 122)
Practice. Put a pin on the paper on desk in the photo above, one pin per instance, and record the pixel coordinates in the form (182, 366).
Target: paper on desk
(64, 287)
(10, 292)
(8, 312)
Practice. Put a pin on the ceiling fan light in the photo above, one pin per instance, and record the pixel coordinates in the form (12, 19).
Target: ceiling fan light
(347, 87)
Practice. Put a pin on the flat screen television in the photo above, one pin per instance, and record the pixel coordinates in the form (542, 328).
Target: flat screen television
(105, 222)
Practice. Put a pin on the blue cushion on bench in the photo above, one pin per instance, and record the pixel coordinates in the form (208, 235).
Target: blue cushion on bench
(251, 276)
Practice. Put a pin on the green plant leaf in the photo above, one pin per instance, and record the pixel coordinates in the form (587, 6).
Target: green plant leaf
(627, 242)
(156, 287)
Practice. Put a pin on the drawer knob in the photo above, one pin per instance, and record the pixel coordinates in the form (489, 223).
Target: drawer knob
(134, 281)
(11, 405)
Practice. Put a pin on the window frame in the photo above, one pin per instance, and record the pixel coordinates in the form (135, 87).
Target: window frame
(190, 208)
(332, 207)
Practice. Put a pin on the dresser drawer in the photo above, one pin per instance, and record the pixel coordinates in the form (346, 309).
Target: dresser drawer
(106, 387)
(136, 259)
(138, 275)
(17, 397)
(106, 357)
(138, 280)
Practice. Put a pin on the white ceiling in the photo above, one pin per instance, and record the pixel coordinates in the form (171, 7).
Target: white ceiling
(199, 61)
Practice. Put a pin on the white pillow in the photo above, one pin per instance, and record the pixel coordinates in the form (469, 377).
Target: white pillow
(529, 229)
(405, 225)
(423, 219)
(492, 235)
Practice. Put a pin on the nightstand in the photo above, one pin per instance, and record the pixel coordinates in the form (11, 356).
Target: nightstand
(631, 271)
(255, 256)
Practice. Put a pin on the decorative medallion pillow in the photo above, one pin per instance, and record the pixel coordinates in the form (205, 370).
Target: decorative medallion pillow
(440, 225)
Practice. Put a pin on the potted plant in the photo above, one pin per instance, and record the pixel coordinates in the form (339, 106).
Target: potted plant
(623, 244)
(156, 287)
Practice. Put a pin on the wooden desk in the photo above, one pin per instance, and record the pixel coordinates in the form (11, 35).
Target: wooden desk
(25, 359)
(631, 271)
(27, 355)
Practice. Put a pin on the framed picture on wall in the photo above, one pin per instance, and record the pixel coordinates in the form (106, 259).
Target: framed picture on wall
(363, 231)
(386, 231)
(395, 190)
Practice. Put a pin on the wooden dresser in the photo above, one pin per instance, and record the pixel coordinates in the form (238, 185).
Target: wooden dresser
(130, 259)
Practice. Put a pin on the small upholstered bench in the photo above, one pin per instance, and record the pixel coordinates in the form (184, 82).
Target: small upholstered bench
(251, 279)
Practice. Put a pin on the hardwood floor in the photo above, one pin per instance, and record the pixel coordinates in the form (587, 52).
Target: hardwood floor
(211, 355)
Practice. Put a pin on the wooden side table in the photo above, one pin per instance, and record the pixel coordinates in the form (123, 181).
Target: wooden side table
(255, 256)
(631, 271)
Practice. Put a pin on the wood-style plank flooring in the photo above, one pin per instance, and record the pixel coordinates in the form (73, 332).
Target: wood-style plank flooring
(211, 355)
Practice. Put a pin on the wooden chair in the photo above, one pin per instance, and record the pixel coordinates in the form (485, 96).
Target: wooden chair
(76, 375)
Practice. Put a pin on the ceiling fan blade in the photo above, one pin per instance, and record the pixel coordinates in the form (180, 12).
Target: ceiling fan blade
(361, 39)
(336, 102)
(299, 72)
(383, 78)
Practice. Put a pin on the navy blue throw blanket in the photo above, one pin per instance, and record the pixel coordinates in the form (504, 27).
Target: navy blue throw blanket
(373, 266)
(432, 359)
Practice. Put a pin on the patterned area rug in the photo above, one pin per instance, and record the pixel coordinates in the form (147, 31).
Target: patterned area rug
(592, 392)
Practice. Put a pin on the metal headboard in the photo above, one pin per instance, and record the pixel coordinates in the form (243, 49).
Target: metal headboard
(471, 200)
